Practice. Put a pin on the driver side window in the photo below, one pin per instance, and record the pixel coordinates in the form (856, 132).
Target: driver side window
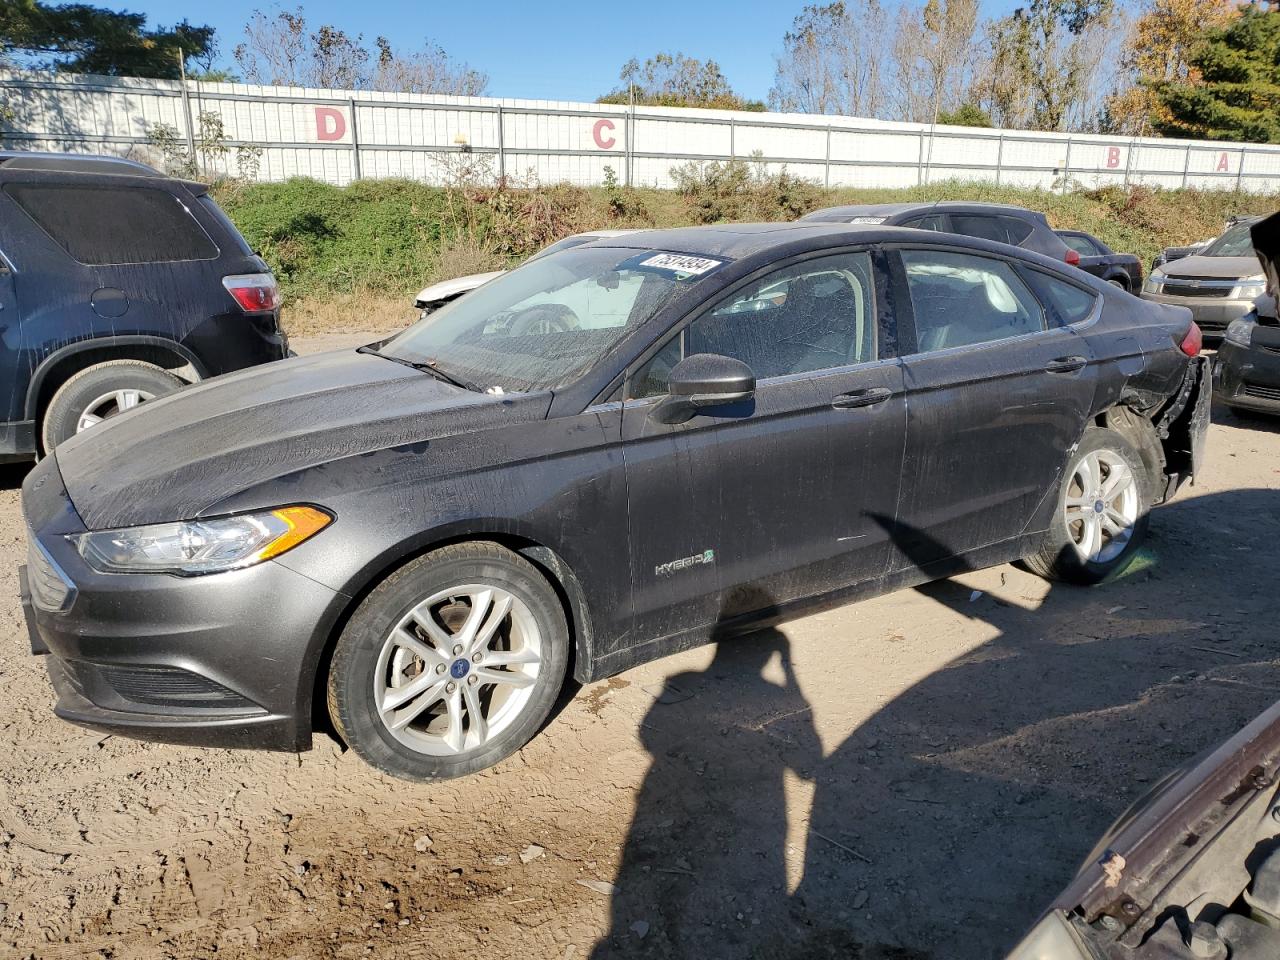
(814, 315)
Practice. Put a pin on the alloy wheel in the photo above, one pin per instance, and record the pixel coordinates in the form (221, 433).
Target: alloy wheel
(1101, 506)
(458, 669)
(109, 405)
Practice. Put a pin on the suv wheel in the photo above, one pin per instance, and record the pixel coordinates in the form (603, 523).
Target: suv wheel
(100, 392)
(1102, 511)
(451, 664)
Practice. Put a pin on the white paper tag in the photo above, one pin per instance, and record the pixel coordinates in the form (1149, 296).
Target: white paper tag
(680, 263)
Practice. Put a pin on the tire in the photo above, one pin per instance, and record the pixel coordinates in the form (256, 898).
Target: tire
(1119, 283)
(1061, 557)
(393, 641)
(95, 391)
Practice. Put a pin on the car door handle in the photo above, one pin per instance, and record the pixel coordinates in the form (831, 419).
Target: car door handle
(1066, 364)
(862, 398)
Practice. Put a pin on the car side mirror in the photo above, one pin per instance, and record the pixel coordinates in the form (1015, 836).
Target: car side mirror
(701, 381)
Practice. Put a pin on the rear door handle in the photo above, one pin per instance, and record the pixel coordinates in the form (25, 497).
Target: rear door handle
(1066, 364)
(862, 398)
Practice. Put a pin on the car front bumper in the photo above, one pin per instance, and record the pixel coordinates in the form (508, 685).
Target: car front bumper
(225, 659)
(1212, 314)
(1249, 377)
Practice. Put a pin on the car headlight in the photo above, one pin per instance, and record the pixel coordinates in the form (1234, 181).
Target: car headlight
(200, 546)
(1240, 331)
(1155, 282)
(1052, 939)
(1251, 288)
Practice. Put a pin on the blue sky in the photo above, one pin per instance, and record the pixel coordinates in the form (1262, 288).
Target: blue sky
(541, 49)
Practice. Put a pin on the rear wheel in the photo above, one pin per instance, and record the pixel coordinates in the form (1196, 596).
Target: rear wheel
(451, 664)
(1101, 515)
(1119, 283)
(99, 393)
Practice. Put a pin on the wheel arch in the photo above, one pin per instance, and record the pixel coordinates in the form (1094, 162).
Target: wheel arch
(65, 362)
(548, 561)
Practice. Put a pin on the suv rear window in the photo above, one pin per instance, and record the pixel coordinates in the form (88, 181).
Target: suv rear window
(107, 225)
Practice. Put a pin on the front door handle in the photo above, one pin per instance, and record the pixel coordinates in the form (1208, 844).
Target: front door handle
(862, 398)
(1066, 364)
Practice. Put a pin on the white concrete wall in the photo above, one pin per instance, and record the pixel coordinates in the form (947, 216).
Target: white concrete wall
(337, 135)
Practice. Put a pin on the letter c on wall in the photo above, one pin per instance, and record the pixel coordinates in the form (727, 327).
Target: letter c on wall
(330, 124)
(600, 132)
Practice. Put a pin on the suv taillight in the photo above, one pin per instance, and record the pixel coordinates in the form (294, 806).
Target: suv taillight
(1072, 258)
(253, 292)
(1192, 342)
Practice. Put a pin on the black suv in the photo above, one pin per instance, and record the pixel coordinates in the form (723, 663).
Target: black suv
(117, 285)
(1015, 226)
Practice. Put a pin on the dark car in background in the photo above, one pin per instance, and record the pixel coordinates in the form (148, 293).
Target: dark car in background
(1015, 226)
(1124, 270)
(609, 454)
(1247, 372)
(1218, 284)
(117, 285)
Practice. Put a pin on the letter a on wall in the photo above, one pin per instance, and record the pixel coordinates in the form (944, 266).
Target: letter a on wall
(1224, 164)
(330, 123)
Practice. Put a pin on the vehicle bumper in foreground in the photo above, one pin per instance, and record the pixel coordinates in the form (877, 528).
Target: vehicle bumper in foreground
(1249, 377)
(226, 659)
(17, 440)
(1212, 314)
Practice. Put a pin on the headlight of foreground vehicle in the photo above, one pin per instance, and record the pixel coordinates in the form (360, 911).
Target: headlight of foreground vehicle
(1155, 282)
(1052, 939)
(200, 546)
(1251, 288)
(1239, 332)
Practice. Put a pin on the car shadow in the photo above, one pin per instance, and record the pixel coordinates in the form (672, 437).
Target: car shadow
(12, 475)
(943, 824)
(1267, 423)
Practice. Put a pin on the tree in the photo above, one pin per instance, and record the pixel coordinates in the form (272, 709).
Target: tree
(1237, 93)
(674, 80)
(1157, 50)
(1043, 63)
(283, 50)
(966, 115)
(833, 61)
(933, 53)
(80, 38)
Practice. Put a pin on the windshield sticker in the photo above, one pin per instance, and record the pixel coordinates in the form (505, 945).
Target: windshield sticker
(679, 263)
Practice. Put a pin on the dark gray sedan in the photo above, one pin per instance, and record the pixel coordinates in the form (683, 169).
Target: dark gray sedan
(609, 454)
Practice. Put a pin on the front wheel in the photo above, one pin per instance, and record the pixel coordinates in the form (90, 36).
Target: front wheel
(1101, 515)
(451, 664)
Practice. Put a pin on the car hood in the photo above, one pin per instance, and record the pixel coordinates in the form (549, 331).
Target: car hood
(1266, 244)
(180, 456)
(1228, 268)
(448, 289)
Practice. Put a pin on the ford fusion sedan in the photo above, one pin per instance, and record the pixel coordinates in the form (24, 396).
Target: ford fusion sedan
(1218, 284)
(612, 453)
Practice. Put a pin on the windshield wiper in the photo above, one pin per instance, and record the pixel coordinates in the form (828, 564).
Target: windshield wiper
(430, 366)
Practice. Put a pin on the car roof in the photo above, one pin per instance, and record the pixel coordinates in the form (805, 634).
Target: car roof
(847, 212)
(739, 241)
(74, 163)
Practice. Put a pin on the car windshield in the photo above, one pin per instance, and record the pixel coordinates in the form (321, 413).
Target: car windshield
(1236, 242)
(545, 323)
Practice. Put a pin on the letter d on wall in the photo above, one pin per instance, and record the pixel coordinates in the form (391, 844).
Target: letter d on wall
(330, 124)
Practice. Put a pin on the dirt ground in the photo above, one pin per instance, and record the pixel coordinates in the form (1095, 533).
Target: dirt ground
(910, 777)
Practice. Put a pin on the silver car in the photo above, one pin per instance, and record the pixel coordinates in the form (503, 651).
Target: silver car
(1218, 284)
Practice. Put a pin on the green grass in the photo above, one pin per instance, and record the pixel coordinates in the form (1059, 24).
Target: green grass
(390, 237)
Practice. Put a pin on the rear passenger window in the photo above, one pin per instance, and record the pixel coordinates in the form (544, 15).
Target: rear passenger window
(960, 299)
(1009, 230)
(110, 225)
(933, 222)
(1065, 302)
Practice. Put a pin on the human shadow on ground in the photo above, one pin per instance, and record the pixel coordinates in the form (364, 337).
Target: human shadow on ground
(947, 821)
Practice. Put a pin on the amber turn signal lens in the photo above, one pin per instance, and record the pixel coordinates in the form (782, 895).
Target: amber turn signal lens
(303, 523)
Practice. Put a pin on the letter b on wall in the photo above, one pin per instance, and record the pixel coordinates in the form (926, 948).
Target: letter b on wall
(330, 124)
(1113, 157)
